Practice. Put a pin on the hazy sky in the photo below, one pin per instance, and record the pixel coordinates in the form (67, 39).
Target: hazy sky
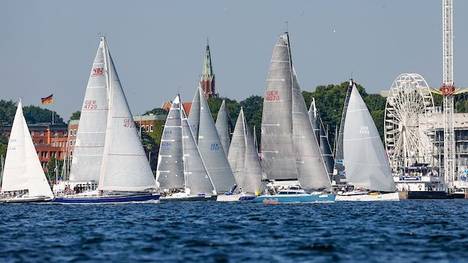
(48, 46)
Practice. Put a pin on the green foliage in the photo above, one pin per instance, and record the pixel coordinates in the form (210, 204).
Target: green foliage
(232, 107)
(156, 111)
(3, 145)
(33, 114)
(461, 103)
(75, 115)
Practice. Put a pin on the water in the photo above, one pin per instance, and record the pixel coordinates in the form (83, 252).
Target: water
(407, 231)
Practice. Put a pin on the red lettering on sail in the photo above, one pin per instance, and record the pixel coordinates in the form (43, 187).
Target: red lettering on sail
(90, 105)
(97, 72)
(128, 123)
(272, 95)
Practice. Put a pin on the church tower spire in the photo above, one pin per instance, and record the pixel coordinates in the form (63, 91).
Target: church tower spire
(207, 81)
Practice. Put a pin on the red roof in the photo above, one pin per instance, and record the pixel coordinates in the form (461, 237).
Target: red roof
(187, 106)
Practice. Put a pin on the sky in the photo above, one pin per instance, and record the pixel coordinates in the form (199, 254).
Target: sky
(47, 47)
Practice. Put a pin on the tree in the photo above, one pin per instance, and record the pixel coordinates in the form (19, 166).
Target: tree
(75, 115)
(156, 111)
(53, 168)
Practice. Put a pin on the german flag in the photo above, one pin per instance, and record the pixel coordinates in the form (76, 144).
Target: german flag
(48, 100)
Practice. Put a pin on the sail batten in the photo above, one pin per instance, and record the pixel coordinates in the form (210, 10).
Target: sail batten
(365, 161)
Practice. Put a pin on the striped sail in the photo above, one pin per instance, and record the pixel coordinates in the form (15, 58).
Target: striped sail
(124, 165)
(279, 160)
(365, 159)
(310, 165)
(211, 150)
(197, 179)
(23, 169)
(89, 146)
(170, 170)
(223, 127)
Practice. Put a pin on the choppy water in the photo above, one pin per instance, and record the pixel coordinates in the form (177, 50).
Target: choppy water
(407, 231)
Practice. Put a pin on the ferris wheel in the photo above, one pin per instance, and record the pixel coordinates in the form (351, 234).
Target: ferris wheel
(409, 98)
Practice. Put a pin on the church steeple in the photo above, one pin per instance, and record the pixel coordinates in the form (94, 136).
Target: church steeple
(207, 81)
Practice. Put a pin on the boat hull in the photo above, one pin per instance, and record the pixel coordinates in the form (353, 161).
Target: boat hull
(137, 198)
(235, 198)
(424, 195)
(39, 199)
(295, 198)
(187, 198)
(368, 197)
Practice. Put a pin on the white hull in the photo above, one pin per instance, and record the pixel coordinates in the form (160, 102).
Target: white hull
(234, 197)
(365, 197)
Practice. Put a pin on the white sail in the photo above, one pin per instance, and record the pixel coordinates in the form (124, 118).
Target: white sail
(223, 127)
(365, 160)
(311, 168)
(236, 155)
(243, 158)
(196, 176)
(211, 150)
(124, 164)
(276, 138)
(89, 146)
(170, 170)
(194, 116)
(23, 169)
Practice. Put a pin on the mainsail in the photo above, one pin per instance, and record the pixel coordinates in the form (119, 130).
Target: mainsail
(211, 150)
(223, 127)
(23, 170)
(194, 115)
(170, 170)
(279, 160)
(124, 165)
(312, 173)
(196, 176)
(89, 146)
(366, 163)
(243, 158)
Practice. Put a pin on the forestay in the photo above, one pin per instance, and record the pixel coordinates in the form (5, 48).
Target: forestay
(194, 115)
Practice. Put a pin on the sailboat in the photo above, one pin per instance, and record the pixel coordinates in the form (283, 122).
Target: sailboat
(113, 152)
(223, 127)
(244, 162)
(181, 173)
(366, 167)
(23, 177)
(291, 160)
(322, 137)
(209, 145)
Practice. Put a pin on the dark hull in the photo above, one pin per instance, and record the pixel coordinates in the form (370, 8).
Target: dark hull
(427, 195)
(188, 199)
(26, 200)
(137, 198)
